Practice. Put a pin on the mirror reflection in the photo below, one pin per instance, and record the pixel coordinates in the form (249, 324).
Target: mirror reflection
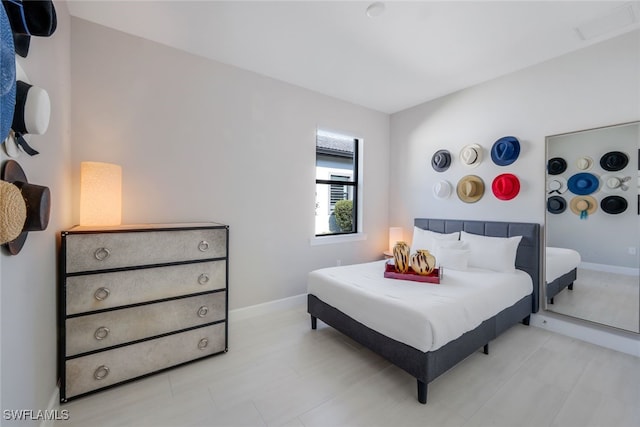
(593, 225)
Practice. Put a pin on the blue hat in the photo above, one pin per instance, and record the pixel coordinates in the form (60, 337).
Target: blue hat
(505, 150)
(7, 75)
(583, 183)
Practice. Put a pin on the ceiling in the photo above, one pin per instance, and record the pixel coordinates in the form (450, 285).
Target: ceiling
(413, 52)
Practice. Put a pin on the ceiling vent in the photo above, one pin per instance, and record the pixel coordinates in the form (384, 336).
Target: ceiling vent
(616, 20)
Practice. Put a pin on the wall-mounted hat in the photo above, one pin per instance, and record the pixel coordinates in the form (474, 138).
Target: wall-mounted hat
(584, 163)
(471, 155)
(556, 204)
(505, 186)
(583, 183)
(614, 204)
(37, 200)
(505, 150)
(30, 18)
(470, 188)
(556, 185)
(31, 115)
(13, 212)
(7, 76)
(614, 184)
(441, 160)
(614, 161)
(442, 189)
(556, 166)
(583, 206)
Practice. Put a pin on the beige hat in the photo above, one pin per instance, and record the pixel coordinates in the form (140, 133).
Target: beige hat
(584, 163)
(471, 155)
(470, 188)
(13, 212)
(583, 206)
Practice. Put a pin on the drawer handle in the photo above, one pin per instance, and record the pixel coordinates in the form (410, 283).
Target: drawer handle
(203, 246)
(202, 311)
(101, 333)
(203, 279)
(203, 343)
(102, 293)
(101, 254)
(101, 372)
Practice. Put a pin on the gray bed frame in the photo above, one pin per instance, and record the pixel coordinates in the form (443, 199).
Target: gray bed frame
(564, 281)
(426, 367)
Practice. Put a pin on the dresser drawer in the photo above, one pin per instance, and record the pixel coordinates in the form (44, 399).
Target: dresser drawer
(102, 330)
(87, 373)
(107, 290)
(99, 251)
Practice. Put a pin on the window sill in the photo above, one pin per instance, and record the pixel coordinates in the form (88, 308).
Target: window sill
(340, 238)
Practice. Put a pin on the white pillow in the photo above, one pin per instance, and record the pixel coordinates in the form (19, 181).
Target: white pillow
(426, 239)
(454, 259)
(492, 253)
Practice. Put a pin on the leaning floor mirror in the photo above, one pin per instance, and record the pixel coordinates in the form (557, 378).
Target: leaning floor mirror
(592, 260)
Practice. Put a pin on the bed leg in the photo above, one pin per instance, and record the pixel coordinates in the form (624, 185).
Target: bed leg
(526, 320)
(486, 348)
(570, 286)
(422, 392)
(314, 322)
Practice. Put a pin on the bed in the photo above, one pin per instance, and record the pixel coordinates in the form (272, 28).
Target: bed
(561, 267)
(423, 360)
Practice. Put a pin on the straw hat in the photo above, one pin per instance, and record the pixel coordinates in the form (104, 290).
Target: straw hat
(470, 188)
(584, 163)
(471, 155)
(7, 75)
(13, 212)
(37, 200)
(583, 206)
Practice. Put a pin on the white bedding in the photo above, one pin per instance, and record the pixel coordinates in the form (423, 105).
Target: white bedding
(560, 261)
(422, 315)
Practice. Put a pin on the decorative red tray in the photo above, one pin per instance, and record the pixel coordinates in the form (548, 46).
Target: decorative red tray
(434, 277)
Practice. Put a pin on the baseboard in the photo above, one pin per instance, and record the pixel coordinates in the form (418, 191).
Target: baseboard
(267, 307)
(627, 271)
(622, 341)
(53, 407)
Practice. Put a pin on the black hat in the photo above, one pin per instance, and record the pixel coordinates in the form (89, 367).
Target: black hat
(556, 204)
(441, 160)
(556, 166)
(614, 161)
(38, 203)
(614, 204)
(30, 18)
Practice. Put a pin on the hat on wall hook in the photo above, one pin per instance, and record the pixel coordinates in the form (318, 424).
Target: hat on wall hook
(37, 199)
(30, 18)
(7, 76)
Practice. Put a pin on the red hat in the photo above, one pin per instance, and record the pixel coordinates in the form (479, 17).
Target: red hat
(505, 186)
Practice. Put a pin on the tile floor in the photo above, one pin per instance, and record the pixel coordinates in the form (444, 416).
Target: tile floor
(279, 372)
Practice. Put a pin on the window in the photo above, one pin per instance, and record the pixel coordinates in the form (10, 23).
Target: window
(336, 184)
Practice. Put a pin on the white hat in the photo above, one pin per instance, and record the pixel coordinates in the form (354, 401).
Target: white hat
(584, 163)
(613, 184)
(442, 189)
(556, 184)
(471, 155)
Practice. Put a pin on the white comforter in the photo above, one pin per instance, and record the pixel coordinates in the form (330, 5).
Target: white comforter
(560, 261)
(422, 315)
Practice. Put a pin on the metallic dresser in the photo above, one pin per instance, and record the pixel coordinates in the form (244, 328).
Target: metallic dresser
(135, 300)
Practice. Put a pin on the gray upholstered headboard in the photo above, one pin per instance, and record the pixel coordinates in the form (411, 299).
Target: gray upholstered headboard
(528, 255)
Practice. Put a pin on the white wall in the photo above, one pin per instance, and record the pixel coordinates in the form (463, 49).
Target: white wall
(199, 140)
(593, 87)
(28, 280)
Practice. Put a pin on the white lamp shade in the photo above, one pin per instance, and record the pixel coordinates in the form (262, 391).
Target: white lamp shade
(395, 236)
(100, 194)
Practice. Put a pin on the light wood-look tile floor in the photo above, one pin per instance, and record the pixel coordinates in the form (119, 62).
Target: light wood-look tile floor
(279, 372)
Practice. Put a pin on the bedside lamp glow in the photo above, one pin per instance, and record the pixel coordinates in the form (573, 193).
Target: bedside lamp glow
(395, 236)
(100, 193)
